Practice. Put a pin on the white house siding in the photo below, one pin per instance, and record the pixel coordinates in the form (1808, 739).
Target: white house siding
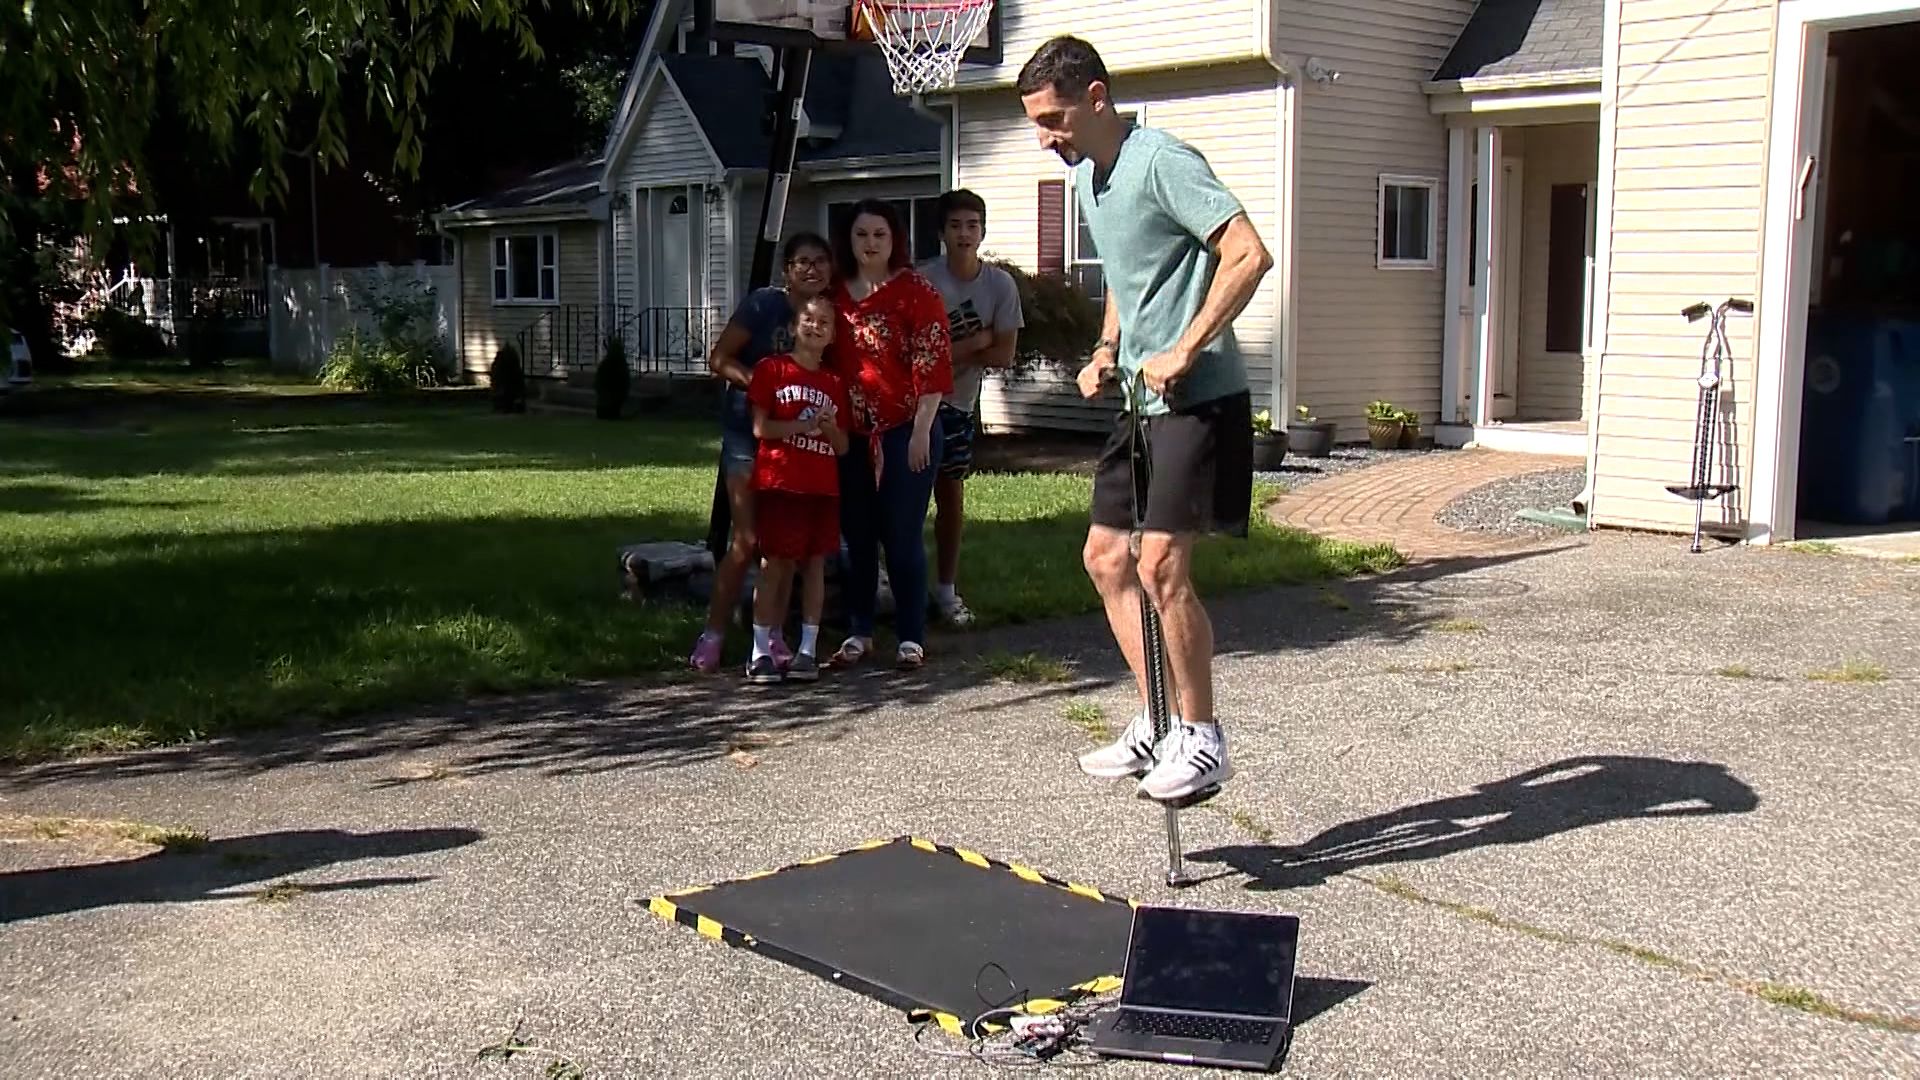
(668, 150)
(1551, 384)
(1688, 161)
(1229, 113)
(486, 326)
(1132, 35)
(1367, 333)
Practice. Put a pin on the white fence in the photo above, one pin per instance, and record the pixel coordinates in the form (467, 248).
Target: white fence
(309, 310)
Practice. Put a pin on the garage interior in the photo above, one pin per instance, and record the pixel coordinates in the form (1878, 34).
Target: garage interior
(1859, 466)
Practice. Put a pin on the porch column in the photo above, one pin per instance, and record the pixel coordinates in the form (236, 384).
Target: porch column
(1484, 352)
(1456, 312)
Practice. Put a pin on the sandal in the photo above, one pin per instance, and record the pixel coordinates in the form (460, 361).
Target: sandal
(851, 652)
(912, 656)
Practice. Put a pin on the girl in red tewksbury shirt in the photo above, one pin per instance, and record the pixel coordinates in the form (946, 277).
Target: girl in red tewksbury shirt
(800, 415)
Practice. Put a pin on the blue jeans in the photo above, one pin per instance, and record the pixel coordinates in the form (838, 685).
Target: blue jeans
(894, 516)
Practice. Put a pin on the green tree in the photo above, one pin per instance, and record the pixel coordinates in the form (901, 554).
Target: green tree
(82, 83)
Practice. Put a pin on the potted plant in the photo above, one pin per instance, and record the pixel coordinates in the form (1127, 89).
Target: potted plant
(612, 382)
(1308, 435)
(1409, 430)
(1269, 445)
(1384, 425)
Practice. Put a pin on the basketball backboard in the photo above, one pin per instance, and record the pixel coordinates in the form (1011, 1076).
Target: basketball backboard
(820, 24)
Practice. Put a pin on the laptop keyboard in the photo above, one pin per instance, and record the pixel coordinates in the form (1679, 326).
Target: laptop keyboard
(1218, 1029)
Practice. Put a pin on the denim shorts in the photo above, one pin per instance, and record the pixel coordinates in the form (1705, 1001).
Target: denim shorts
(737, 450)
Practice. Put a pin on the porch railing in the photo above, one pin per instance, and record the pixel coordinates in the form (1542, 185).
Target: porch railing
(569, 340)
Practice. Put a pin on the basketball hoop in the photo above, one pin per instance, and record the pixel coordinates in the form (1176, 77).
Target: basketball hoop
(923, 40)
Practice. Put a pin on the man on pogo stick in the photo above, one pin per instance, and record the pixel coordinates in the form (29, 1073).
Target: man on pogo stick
(1181, 260)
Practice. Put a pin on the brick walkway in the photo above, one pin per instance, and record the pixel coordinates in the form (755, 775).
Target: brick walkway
(1396, 502)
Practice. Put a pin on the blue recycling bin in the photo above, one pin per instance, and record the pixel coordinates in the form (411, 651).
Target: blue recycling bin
(1859, 415)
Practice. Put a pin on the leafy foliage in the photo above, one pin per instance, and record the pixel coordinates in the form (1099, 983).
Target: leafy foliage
(85, 79)
(1061, 322)
(508, 381)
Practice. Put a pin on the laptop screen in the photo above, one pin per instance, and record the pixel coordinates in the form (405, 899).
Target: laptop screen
(1212, 961)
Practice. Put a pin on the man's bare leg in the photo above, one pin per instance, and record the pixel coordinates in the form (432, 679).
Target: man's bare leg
(1166, 571)
(1108, 558)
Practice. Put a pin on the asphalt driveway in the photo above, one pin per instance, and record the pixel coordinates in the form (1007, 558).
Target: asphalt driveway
(1576, 812)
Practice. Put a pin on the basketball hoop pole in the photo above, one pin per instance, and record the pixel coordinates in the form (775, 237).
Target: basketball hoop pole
(795, 65)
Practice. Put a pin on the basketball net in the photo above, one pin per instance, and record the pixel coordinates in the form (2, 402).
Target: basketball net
(923, 40)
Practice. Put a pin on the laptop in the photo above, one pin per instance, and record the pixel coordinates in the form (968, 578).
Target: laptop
(1204, 988)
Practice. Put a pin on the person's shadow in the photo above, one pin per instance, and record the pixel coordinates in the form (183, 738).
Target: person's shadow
(210, 870)
(1555, 798)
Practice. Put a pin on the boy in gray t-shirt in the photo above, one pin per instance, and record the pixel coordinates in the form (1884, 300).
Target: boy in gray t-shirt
(983, 313)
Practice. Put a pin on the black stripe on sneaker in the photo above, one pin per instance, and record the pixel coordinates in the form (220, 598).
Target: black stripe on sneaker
(1206, 761)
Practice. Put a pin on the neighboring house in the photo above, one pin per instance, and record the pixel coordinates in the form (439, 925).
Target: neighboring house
(653, 240)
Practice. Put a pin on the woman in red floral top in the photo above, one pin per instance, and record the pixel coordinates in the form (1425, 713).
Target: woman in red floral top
(894, 353)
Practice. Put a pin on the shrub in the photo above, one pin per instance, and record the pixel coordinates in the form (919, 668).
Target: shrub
(119, 335)
(508, 381)
(403, 350)
(1062, 323)
(612, 382)
(358, 363)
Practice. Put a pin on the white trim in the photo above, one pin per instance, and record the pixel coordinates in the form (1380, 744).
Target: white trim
(1454, 313)
(1459, 107)
(495, 266)
(1800, 43)
(1286, 308)
(1602, 248)
(1511, 188)
(1480, 84)
(1480, 353)
(1432, 186)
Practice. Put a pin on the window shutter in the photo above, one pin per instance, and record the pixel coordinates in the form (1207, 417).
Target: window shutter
(1053, 227)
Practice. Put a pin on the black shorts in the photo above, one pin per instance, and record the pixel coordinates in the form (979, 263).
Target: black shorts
(1202, 475)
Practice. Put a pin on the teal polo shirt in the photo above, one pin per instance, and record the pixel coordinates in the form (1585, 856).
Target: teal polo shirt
(1150, 219)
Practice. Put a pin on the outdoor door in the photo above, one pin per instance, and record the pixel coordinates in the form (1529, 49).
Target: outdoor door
(675, 230)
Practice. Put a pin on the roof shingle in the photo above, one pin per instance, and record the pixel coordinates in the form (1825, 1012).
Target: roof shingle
(1526, 37)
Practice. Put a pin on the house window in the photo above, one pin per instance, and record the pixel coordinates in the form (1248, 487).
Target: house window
(921, 216)
(1407, 223)
(526, 268)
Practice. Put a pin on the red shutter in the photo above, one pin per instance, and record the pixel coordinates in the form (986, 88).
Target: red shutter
(1053, 227)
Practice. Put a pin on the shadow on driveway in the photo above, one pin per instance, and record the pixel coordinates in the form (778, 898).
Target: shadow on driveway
(1560, 797)
(211, 871)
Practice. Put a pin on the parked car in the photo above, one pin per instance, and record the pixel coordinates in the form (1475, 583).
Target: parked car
(20, 371)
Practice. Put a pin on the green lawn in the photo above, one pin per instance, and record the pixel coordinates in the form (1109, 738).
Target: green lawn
(170, 574)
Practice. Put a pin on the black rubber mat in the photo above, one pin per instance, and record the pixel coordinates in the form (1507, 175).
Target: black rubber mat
(924, 927)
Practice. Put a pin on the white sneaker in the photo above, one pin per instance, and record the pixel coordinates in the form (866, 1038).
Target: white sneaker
(1132, 754)
(1194, 757)
(955, 612)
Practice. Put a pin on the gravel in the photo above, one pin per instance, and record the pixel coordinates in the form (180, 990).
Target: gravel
(1297, 472)
(1491, 507)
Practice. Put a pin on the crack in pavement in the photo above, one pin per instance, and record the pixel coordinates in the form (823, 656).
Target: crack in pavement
(1782, 994)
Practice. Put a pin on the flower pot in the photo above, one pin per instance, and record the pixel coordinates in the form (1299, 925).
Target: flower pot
(1384, 434)
(1269, 451)
(1311, 440)
(1410, 437)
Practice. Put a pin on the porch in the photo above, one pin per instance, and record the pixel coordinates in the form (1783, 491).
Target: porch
(1520, 95)
(1520, 328)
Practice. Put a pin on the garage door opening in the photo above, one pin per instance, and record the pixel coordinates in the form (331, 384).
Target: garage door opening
(1858, 478)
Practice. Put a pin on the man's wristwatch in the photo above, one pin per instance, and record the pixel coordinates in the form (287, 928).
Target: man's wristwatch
(1108, 344)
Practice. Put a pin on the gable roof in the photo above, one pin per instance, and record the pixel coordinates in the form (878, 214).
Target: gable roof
(730, 95)
(1513, 38)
